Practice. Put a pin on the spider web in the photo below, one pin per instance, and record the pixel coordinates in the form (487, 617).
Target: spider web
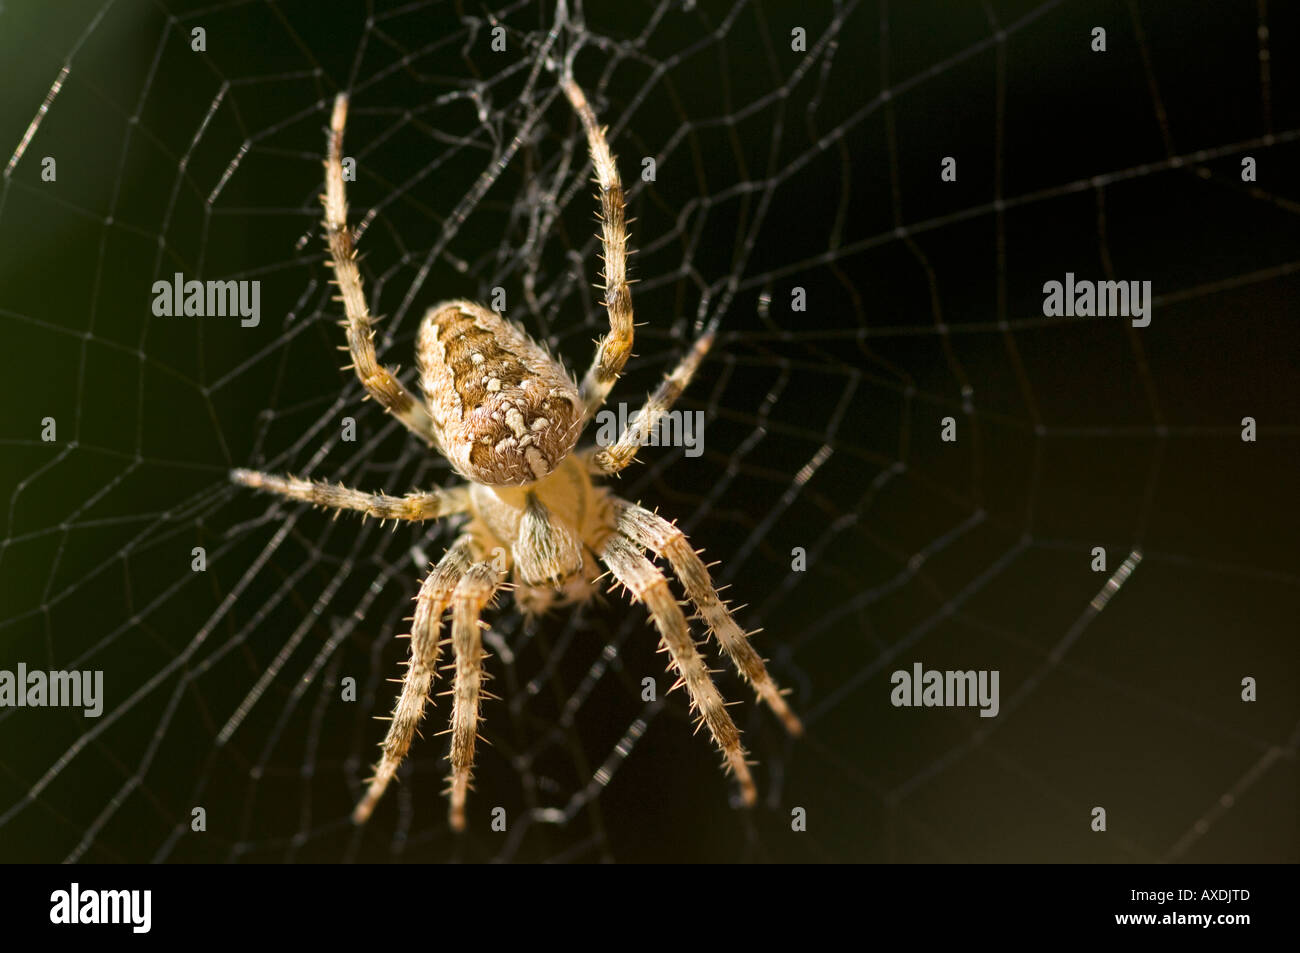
(774, 169)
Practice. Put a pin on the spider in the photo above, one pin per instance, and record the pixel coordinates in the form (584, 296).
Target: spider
(507, 416)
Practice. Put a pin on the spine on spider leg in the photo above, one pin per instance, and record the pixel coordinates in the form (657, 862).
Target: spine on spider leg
(426, 628)
(620, 454)
(667, 539)
(338, 236)
(379, 382)
(473, 593)
(617, 345)
(649, 587)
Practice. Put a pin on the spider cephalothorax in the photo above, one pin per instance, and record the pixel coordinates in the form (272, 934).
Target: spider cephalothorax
(508, 416)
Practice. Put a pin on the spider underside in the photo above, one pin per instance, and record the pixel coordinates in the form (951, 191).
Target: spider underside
(508, 416)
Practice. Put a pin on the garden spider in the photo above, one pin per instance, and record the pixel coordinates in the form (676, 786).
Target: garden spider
(507, 416)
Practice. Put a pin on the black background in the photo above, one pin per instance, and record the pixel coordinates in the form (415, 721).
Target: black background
(1073, 433)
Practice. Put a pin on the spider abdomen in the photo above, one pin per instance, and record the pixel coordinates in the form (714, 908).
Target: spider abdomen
(505, 411)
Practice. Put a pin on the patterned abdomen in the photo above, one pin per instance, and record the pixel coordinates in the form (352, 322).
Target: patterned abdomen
(506, 413)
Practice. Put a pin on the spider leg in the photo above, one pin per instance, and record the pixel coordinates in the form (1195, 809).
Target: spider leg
(472, 595)
(613, 350)
(434, 598)
(648, 585)
(622, 452)
(413, 506)
(665, 539)
(379, 382)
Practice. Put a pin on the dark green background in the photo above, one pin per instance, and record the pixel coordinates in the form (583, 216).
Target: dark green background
(1138, 441)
